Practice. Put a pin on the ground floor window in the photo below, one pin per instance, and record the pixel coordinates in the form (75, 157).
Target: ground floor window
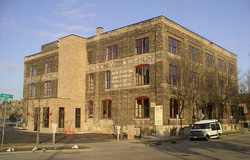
(45, 117)
(176, 108)
(241, 111)
(211, 111)
(142, 107)
(106, 108)
(195, 111)
(78, 118)
(233, 111)
(90, 109)
(61, 117)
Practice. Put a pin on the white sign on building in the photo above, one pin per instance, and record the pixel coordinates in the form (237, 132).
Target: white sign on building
(158, 115)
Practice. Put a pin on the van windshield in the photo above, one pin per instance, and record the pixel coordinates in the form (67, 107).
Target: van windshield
(201, 126)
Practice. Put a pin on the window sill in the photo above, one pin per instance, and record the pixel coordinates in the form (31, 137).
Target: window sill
(141, 118)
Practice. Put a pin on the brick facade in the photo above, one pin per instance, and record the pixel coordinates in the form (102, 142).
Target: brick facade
(76, 58)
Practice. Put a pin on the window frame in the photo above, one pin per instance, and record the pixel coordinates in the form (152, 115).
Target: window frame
(143, 80)
(193, 55)
(91, 81)
(221, 64)
(108, 79)
(89, 57)
(90, 109)
(142, 109)
(47, 88)
(61, 117)
(171, 76)
(77, 117)
(171, 46)
(32, 90)
(143, 46)
(108, 114)
(45, 117)
(33, 70)
(209, 59)
(180, 104)
(231, 69)
(48, 67)
(112, 52)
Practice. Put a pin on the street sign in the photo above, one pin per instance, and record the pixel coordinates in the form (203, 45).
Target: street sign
(6, 96)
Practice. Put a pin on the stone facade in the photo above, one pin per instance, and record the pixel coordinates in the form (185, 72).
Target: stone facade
(76, 59)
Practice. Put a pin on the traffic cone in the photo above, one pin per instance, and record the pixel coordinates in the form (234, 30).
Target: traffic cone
(68, 131)
(73, 132)
(64, 131)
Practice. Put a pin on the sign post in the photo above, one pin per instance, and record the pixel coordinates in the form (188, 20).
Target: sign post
(54, 126)
(5, 99)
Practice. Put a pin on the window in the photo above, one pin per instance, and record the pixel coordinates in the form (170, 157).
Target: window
(78, 118)
(48, 88)
(89, 57)
(142, 75)
(106, 108)
(241, 111)
(108, 79)
(33, 70)
(174, 46)
(32, 90)
(233, 111)
(91, 82)
(209, 60)
(142, 107)
(90, 109)
(194, 52)
(175, 108)
(142, 45)
(174, 78)
(194, 79)
(195, 111)
(45, 117)
(61, 117)
(211, 111)
(221, 65)
(48, 68)
(112, 52)
(231, 69)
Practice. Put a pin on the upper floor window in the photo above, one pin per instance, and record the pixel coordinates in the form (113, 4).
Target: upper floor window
(89, 57)
(221, 65)
(48, 88)
(33, 70)
(194, 52)
(174, 78)
(108, 79)
(90, 109)
(142, 107)
(106, 108)
(48, 68)
(209, 60)
(142, 75)
(142, 45)
(231, 68)
(174, 46)
(112, 52)
(91, 82)
(32, 90)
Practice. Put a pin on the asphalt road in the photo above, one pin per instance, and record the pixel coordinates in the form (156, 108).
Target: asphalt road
(231, 147)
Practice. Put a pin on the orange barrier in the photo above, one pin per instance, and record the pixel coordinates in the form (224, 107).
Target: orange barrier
(73, 132)
(68, 131)
(64, 131)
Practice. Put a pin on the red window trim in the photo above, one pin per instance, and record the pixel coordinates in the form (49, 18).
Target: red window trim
(112, 53)
(176, 44)
(142, 110)
(174, 98)
(142, 45)
(106, 100)
(141, 65)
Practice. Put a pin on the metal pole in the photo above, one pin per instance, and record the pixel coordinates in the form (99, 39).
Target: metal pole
(3, 126)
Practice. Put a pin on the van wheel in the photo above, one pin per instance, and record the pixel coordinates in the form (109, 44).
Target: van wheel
(219, 136)
(207, 138)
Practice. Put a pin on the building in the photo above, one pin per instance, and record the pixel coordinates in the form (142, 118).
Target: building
(132, 75)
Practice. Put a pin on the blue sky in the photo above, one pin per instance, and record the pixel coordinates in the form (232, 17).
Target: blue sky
(27, 24)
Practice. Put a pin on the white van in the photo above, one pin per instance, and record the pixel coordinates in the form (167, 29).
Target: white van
(205, 129)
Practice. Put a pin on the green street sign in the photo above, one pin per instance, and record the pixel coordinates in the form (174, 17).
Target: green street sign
(6, 96)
